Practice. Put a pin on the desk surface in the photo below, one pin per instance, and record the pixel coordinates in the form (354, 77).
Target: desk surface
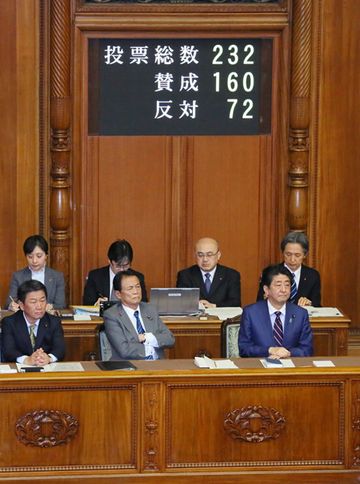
(175, 368)
(170, 417)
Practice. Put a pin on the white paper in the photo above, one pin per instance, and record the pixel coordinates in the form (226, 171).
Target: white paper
(67, 366)
(288, 363)
(224, 313)
(57, 366)
(205, 362)
(268, 364)
(82, 317)
(323, 312)
(7, 369)
(323, 363)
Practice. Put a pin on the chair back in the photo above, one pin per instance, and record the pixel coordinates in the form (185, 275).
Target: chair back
(104, 345)
(229, 337)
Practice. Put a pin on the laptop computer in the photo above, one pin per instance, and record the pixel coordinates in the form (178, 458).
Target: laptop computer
(183, 301)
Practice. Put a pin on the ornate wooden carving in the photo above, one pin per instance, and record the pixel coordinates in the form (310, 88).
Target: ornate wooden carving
(299, 116)
(151, 454)
(60, 108)
(254, 423)
(46, 428)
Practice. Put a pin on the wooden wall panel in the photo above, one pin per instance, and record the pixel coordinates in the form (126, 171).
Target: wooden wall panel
(153, 191)
(132, 190)
(19, 163)
(226, 202)
(337, 206)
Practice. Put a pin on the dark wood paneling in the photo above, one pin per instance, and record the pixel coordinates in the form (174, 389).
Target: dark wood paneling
(19, 161)
(337, 205)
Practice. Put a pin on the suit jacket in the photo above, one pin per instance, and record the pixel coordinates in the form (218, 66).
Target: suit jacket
(15, 338)
(256, 332)
(309, 286)
(98, 283)
(54, 282)
(225, 289)
(123, 337)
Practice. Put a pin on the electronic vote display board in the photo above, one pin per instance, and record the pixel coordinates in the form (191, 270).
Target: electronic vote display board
(179, 86)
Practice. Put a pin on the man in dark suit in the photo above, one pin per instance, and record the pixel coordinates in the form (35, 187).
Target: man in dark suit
(31, 336)
(306, 287)
(133, 328)
(275, 328)
(219, 285)
(99, 283)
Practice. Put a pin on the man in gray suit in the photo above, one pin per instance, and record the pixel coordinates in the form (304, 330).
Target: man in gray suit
(133, 328)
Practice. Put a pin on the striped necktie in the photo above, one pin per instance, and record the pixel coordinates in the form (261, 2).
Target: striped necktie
(140, 329)
(278, 329)
(139, 326)
(293, 291)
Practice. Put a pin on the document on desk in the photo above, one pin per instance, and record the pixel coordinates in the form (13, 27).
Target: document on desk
(323, 363)
(57, 367)
(224, 313)
(205, 362)
(270, 363)
(64, 366)
(7, 369)
(323, 312)
(89, 310)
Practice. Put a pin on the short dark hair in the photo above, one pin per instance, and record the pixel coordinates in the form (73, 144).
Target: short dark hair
(270, 272)
(30, 286)
(295, 238)
(119, 277)
(120, 250)
(35, 241)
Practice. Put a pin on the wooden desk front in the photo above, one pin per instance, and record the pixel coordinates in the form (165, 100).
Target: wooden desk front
(195, 337)
(169, 418)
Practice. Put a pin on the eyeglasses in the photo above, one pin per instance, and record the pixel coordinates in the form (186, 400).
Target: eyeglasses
(202, 255)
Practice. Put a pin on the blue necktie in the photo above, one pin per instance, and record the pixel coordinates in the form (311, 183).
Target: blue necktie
(140, 329)
(207, 283)
(139, 326)
(293, 290)
(278, 329)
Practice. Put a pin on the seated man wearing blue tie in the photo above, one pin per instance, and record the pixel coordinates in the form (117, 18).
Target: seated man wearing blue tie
(133, 328)
(305, 286)
(31, 336)
(219, 285)
(274, 327)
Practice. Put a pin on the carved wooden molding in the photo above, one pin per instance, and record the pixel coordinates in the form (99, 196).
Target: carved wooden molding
(299, 115)
(46, 428)
(152, 417)
(254, 424)
(60, 143)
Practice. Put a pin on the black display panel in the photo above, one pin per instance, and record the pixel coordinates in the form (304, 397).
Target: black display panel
(180, 86)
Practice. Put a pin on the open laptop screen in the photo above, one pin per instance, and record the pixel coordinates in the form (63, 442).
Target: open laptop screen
(175, 301)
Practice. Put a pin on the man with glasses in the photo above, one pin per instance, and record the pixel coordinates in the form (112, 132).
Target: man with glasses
(219, 285)
(99, 284)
